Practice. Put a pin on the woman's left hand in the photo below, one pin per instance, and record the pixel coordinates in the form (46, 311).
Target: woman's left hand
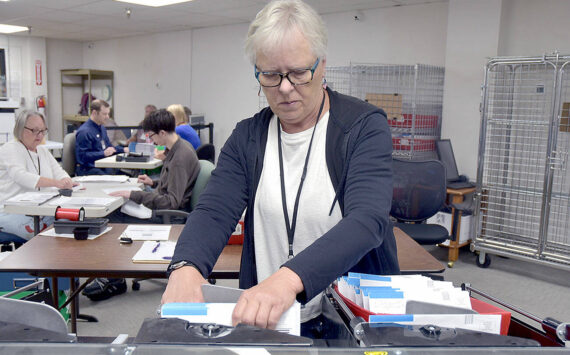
(263, 305)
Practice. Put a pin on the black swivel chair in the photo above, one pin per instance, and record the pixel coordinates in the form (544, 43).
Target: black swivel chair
(207, 152)
(419, 193)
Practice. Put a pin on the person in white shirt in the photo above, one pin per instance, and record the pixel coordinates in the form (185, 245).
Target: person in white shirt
(26, 165)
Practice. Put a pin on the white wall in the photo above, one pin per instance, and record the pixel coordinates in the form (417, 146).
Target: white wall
(472, 35)
(223, 85)
(23, 52)
(396, 35)
(60, 55)
(154, 69)
(533, 28)
(206, 68)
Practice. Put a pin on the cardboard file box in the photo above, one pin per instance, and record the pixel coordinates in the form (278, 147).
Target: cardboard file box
(444, 220)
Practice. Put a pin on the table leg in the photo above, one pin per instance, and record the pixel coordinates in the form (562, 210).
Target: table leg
(36, 225)
(453, 252)
(54, 292)
(74, 304)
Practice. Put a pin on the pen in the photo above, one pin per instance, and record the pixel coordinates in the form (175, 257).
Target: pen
(156, 247)
(167, 257)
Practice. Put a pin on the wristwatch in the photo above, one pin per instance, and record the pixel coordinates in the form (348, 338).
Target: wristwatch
(177, 265)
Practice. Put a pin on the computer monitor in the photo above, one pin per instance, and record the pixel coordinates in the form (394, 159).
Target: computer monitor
(446, 156)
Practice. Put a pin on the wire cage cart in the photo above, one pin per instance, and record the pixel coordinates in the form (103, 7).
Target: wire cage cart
(411, 95)
(523, 176)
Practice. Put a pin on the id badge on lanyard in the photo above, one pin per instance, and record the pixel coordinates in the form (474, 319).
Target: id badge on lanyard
(103, 145)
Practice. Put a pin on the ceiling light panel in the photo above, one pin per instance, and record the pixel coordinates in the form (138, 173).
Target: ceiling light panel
(11, 28)
(154, 3)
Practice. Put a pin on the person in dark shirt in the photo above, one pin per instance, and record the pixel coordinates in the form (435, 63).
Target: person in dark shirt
(92, 142)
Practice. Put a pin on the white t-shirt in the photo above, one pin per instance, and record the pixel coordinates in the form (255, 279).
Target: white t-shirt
(317, 195)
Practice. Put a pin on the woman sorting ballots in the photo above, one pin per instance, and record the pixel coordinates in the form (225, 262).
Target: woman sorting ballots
(26, 165)
(314, 172)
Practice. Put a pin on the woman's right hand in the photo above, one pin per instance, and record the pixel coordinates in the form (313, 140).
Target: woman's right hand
(65, 183)
(184, 285)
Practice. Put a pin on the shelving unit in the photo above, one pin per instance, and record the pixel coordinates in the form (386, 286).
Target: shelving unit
(74, 83)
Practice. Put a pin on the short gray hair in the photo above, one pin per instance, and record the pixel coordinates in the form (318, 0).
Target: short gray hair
(279, 18)
(21, 121)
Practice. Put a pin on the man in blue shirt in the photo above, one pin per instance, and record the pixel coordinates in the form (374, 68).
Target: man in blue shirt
(92, 142)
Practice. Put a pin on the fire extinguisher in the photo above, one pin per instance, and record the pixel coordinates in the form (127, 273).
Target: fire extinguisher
(41, 104)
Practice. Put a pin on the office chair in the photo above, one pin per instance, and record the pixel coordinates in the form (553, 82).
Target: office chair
(167, 216)
(68, 156)
(207, 152)
(419, 193)
(9, 241)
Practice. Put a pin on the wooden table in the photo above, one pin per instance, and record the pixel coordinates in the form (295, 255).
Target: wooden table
(456, 196)
(413, 258)
(111, 162)
(102, 257)
(105, 257)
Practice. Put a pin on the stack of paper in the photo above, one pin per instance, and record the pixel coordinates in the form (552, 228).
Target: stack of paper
(34, 198)
(64, 201)
(220, 305)
(415, 300)
(102, 178)
(147, 232)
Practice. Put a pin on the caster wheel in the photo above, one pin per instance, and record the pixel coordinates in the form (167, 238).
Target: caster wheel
(136, 286)
(450, 264)
(483, 263)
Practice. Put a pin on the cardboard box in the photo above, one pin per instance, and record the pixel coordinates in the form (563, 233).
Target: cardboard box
(444, 219)
(390, 103)
(565, 118)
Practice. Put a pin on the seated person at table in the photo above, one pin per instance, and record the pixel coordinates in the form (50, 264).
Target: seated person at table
(172, 190)
(92, 142)
(313, 172)
(26, 165)
(139, 136)
(174, 187)
(183, 128)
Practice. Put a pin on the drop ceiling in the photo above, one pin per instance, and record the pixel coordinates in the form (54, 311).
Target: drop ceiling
(92, 20)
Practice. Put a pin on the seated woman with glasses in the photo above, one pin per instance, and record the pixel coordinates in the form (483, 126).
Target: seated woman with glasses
(25, 165)
(313, 171)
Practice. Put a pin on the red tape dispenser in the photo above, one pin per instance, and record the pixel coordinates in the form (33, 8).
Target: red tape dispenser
(72, 214)
(73, 221)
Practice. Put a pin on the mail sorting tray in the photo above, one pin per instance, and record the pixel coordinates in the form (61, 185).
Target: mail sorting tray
(520, 335)
(340, 329)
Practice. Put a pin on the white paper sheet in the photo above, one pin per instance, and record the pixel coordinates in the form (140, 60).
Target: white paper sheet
(102, 178)
(147, 232)
(51, 233)
(155, 252)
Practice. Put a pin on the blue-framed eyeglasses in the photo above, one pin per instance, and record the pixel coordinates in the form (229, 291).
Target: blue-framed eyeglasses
(270, 79)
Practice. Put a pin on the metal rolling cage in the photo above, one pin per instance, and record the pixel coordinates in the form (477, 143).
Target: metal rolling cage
(411, 95)
(523, 174)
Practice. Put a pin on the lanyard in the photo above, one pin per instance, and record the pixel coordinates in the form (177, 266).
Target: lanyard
(291, 227)
(38, 168)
